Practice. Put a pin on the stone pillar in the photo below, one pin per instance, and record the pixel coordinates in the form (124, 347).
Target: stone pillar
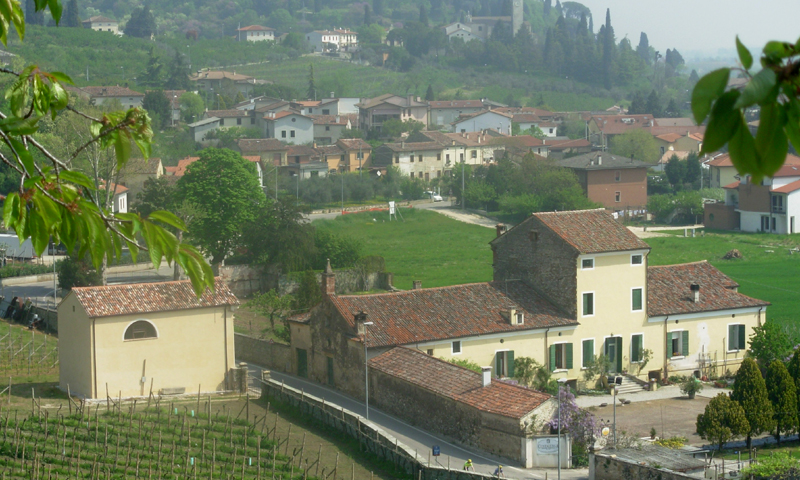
(241, 378)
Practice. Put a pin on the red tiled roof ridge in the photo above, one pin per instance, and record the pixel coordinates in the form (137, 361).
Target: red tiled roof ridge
(563, 212)
(677, 264)
(403, 292)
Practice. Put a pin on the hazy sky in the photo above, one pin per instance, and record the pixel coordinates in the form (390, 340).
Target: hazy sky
(707, 25)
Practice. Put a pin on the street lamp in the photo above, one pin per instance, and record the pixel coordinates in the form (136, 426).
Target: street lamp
(561, 382)
(616, 390)
(366, 368)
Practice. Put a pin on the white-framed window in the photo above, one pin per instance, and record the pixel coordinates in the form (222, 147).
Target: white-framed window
(637, 299)
(140, 330)
(587, 304)
(637, 259)
(637, 345)
(455, 348)
(504, 363)
(560, 356)
(587, 352)
(678, 343)
(737, 337)
(587, 264)
(291, 134)
(519, 318)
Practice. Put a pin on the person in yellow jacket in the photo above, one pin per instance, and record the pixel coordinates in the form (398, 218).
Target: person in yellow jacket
(468, 465)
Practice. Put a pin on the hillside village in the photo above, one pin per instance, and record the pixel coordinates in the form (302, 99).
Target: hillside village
(441, 286)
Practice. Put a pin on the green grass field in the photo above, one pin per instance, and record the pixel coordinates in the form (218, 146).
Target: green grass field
(768, 271)
(426, 246)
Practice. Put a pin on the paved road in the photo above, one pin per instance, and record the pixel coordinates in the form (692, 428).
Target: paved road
(418, 439)
(41, 293)
(423, 206)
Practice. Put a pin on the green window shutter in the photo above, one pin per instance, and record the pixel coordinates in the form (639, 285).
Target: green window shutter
(569, 355)
(498, 362)
(636, 299)
(685, 343)
(510, 360)
(588, 352)
(733, 337)
(742, 337)
(669, 344)
(636, 341)
(552, 358)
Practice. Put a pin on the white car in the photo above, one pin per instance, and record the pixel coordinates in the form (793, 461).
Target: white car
(436, 198)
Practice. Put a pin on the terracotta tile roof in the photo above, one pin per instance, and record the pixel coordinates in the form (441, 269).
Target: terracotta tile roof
(788, 170)
(468, 116)
(669, 293)
(329, 119)
(681, 154)
(330, 150)
(284, 113)
(231, 113)
(591, 231)
(697, 136)
(683, 131)
(441, 313)
(183, 164)
(788, 188)
(301, 150)
(458, 383)
(255, 28)
(117, 188)
(111, 91)
(723, 160)
(531, 110)
(272, 106)
(564, 144)
(617, 124)
(170, 170)
(526, 118)
(260, 145)
(391, 99)
(219, 75)
(670, 137)
(733, 185)
(136, 298)
(456, 104)
(674, 122)
(354, 144)
(600, 161)
(252, 158)
(412, 146)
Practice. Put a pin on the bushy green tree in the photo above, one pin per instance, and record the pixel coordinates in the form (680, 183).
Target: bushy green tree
(280, 236)
(722, 421)
(638, 143)
(76, 271)
(342, 251)
(73, 15)
(142, 23)
(750, 392)
(271, 305)
(794, 372)
(783, 395)
(675, 170)
(192, 107)
(693, 171)
(177, 74)
(308, 293)
(768, 343)
(224, 186)
(158, 106)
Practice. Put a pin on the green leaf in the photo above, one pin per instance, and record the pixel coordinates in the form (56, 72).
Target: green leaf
(708, 89)
(778, 49)
(62, 77)
(762, 85)
(168, 218)
(771, 142)
(55, 10)
(77, 178)
(47, 209)
(723, 123)
(744, 54)
(742, 148)
(122, 148)
(40, 236)
(792, 127)
(24, 155)
(11, 209)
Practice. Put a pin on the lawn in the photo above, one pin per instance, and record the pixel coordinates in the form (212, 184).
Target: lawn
(768, 270)
(422, 245)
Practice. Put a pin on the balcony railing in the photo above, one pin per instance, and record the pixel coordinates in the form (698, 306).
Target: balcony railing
(778, 209)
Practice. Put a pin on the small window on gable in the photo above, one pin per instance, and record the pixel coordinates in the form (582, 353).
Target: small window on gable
(456, 347)
(636, 259)
(139, 330)
(587, 263)
(519, 318)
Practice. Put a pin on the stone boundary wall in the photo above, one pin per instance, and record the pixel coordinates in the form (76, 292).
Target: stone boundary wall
(275, 356)
(371, 438)
(609, 467)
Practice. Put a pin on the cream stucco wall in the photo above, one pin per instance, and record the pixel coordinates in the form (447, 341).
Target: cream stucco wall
(612, 280)
(74, 347)
(194, 349)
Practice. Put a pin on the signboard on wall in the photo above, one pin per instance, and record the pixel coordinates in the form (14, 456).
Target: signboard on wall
(547, 446)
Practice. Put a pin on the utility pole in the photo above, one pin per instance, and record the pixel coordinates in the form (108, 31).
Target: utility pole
(463, 200)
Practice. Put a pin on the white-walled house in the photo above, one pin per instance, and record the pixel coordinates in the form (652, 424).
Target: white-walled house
(485, 120)
(289, 127)
(323, 40)
(102, 24)
(255, 33)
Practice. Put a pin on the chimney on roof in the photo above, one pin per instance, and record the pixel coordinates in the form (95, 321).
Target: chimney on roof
(328, 281)
(695, 292)
(402, 144)
(332, 95)
(500, 229)
(360, 319)
(599, 160)
(315, 146)
(454, 143)
(416, 285)
(486, 376)
(410, 99)
(337, 118)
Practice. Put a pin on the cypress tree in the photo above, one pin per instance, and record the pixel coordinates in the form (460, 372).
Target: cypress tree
(73, 17)
(783, 396)
(750, 391)
(429, 94)
(377, 6)
(722, 421)
(312, 86)
(33, 17)
(643, 50)
(609, 47)
(423, 15)
(794, 372)
(548, 4)
(653, 106)
(367, 15)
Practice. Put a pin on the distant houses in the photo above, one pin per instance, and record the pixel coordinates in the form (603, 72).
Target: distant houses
(255, 33)
(102, 24)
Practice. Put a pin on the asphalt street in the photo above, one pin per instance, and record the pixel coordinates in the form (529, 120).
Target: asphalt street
(418, 439)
